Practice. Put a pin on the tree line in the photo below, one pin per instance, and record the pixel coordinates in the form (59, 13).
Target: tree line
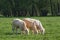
(15, 8)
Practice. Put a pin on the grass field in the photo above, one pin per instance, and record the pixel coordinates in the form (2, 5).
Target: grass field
(51, 24)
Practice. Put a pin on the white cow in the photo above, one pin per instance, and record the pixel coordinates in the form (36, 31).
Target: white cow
(17, 23)
(39, 26)
(37, 23)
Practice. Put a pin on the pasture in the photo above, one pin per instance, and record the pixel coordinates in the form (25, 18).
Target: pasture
(51, 24)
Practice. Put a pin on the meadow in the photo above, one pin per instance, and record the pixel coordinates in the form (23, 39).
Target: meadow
(51, 25)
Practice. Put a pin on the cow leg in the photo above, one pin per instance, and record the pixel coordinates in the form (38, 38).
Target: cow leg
(13, 27)
(35, 30)
(16, 30)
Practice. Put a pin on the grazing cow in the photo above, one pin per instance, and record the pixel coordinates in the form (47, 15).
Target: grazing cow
(30, 25)
(17, 23)
(37, 23)
(39, 26)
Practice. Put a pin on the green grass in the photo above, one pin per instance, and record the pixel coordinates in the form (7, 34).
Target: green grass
(51, 24)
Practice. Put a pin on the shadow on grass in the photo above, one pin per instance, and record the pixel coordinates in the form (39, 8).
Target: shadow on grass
(11, 33)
